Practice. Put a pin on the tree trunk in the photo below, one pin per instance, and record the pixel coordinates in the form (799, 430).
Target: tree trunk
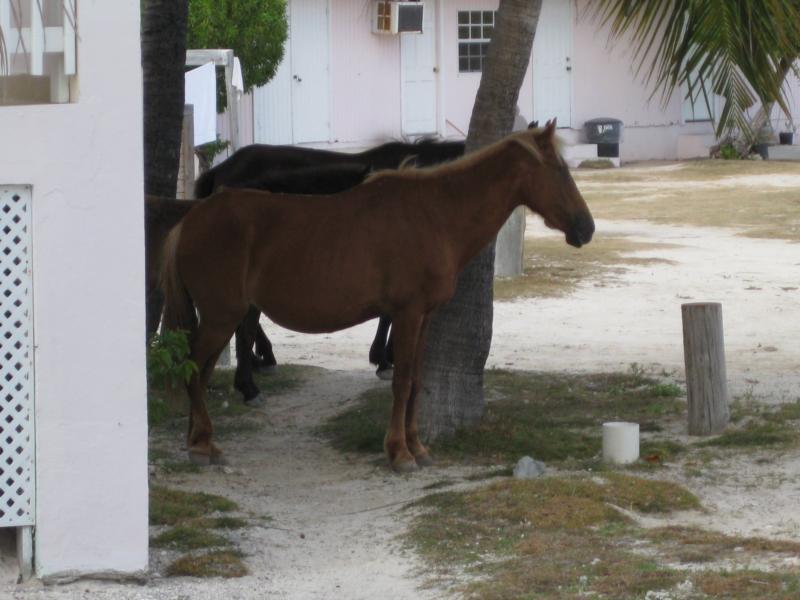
(460, 332)
(163, 64)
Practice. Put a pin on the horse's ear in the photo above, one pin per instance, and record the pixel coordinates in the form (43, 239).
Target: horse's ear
(550, 128)
(533, 125)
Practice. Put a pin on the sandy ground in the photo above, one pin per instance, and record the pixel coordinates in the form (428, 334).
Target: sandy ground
(335, 519)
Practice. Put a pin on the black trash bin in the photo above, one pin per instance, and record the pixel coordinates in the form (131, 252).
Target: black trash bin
(606, 133)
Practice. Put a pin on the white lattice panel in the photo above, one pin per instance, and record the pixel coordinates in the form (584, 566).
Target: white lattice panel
(16, 359)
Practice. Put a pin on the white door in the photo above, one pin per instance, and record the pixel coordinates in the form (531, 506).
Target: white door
(272, 106)
(552, 66)
(294, 107)
(310, 73)
(419, 73)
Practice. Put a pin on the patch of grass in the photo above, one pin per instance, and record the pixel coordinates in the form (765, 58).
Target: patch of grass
(665, 390)
(786, 412)
(541, 538)
(718, 544)
(660, 450)
(438, 485)
(757, 197)
(224, 523)
(749, 584)
(285, 379)
(550, 416)
(171, 507)
(554, 269)
(192, 528)
(221, 563)
(558, 538)
(188, 537)
(170, 408)
(754, 435)
(362, 428)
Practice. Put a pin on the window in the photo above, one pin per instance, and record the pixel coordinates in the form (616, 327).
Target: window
(383, 18)
(37, 51)
(695, 109)
(475, 28)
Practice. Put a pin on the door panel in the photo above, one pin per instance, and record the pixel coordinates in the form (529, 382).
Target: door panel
(310, 71)
(552, 68)
(272, 106)
(418, 60)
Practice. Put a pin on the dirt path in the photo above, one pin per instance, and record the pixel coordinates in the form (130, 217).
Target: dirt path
(335, 519)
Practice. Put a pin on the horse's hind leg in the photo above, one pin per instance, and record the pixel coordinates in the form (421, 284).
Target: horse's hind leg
(416, 448)
(243, 379)
(207, 344)
(378, 350)
(265, 357)
(389, 352)
(406, 338)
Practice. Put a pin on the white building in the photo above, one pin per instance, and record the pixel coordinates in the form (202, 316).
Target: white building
(71, 337)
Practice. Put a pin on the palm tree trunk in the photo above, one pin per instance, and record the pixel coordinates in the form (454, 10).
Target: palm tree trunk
(460, 333)
(163, 63)
(762, 117)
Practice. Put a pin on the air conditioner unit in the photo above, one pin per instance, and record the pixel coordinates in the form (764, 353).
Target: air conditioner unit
(390, 16)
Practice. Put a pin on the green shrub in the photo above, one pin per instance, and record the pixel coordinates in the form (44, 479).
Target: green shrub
(728, 152)
(168, 363)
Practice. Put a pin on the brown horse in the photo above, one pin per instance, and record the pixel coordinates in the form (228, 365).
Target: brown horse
(394, 245)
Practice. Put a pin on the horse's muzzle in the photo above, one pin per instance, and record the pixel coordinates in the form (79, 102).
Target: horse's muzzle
(581, 232)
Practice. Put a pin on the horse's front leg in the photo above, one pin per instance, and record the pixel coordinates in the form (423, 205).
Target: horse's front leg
(421, 455)
(406, 336)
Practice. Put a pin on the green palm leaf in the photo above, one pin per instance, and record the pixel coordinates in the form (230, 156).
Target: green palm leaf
(740, 50)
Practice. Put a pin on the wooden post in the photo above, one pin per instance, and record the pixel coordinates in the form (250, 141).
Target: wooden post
(186, 174)
(704, 354)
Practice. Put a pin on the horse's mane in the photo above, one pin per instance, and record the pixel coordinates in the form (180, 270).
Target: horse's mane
(526, 138)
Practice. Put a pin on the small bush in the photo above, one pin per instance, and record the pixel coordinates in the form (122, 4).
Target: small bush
(168, 363)
(728, 152)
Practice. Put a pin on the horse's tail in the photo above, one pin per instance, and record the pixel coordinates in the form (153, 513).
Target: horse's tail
(178, 306)
(204, 185)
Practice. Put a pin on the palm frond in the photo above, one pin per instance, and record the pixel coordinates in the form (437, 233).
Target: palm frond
(3, 54)
(740, 50)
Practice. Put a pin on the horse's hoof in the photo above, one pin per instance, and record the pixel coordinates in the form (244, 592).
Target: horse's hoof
(406, 466)
(200, 460)
(256, 401)
(424, 460)
(265, 369)
(385, 374)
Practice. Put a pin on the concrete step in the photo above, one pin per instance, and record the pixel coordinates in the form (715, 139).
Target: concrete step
(784, 152)
(575, 154)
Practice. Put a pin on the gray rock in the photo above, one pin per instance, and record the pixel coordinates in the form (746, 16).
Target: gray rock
(527, 468)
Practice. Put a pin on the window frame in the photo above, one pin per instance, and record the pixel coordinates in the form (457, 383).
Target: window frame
(476, 47)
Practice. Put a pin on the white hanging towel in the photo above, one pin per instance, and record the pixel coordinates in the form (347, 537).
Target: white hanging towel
(201, 92)
(237, 81)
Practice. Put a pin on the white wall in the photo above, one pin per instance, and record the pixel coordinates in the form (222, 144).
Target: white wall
(606, 85)
(84, 161)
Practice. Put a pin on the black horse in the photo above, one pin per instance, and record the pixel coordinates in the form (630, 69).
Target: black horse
(252, 162)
